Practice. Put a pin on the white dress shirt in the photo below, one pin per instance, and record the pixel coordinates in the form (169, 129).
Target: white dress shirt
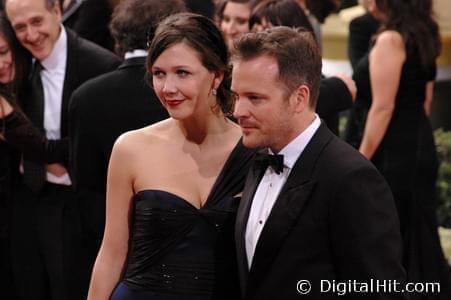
(135, 53)
(270, 186)
(52, 77)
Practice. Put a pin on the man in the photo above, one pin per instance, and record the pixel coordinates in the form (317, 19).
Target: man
(89, 19)
(46, 234)
(361, 30)
(320, 211)
(109, 105)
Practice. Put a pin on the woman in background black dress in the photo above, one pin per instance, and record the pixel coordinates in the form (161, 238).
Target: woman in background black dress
(394, 85)
(173, 187)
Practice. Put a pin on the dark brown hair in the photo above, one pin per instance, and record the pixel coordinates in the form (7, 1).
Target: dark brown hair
(280, 13)
(413, 19)
(134, 21)
(321, 9)
(295, 51)
(221, 5)
(201, 34)
(20, 57)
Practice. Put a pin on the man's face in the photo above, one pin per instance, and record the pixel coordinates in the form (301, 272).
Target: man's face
(262, 108)
(36, 27)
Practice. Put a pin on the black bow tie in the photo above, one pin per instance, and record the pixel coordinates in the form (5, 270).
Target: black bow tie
(275, 161)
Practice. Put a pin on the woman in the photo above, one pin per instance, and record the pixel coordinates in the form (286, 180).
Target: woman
(233, 18)
(173, 186)
(395, 84)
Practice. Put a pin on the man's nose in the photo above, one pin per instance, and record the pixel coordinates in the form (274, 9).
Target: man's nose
(239, 109)
(31, 34)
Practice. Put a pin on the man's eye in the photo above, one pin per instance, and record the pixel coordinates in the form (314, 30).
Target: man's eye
(36, 22)
(253, 97)
(19, 28)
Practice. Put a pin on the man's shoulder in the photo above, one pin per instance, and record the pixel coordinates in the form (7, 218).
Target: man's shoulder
(88, 51)
(117, 86)
(341, 156)
(130, 80)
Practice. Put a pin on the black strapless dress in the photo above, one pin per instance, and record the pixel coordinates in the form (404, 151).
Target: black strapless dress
(180, 252)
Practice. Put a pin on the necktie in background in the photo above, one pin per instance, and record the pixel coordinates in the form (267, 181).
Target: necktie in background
(35, 172)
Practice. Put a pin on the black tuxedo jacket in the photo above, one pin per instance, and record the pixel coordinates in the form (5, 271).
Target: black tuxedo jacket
(334, 219)
(101, 110)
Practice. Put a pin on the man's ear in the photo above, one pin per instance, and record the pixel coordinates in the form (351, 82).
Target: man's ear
(301, 98)
(56, 9)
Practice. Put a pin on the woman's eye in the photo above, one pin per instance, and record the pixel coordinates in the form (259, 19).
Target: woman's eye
(241, 21)
(182, 73)
(157, 74)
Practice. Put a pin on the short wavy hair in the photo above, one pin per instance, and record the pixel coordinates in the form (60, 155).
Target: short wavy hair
(296, 53)
(134, 22)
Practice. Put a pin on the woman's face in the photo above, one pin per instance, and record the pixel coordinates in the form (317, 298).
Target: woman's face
(182, 83)
(235, 21)
(7, 70)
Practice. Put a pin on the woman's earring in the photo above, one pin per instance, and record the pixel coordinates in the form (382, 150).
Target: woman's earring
(213, 92)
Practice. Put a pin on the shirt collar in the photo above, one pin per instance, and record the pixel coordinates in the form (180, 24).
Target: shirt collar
(56, 60)
(293, 150)
(135, 53)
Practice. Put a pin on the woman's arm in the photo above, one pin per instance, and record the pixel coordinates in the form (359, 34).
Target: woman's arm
(20, 133)
(113, 252)
(386, 60)
(429, 96)
(5, 108)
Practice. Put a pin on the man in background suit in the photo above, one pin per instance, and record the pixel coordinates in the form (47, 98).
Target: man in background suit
(361, 30)
(109, 105)
(89, 19)
(46, 230)
(320, 211)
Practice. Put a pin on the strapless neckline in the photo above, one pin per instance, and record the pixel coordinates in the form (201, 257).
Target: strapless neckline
(181, 200)
(227, 165)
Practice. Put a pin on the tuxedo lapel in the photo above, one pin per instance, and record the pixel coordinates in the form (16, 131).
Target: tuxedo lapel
(252, 181)
(35, 108)
(288, 207)
(70, 79)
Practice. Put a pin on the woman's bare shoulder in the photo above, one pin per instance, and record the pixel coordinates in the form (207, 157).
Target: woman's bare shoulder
(143, 139)
(390, 38)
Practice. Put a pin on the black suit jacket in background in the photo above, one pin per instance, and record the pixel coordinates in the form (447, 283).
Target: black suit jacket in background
(100, 111)
(335, 219)
(361, 30)
(90, 20)
(334, 97)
